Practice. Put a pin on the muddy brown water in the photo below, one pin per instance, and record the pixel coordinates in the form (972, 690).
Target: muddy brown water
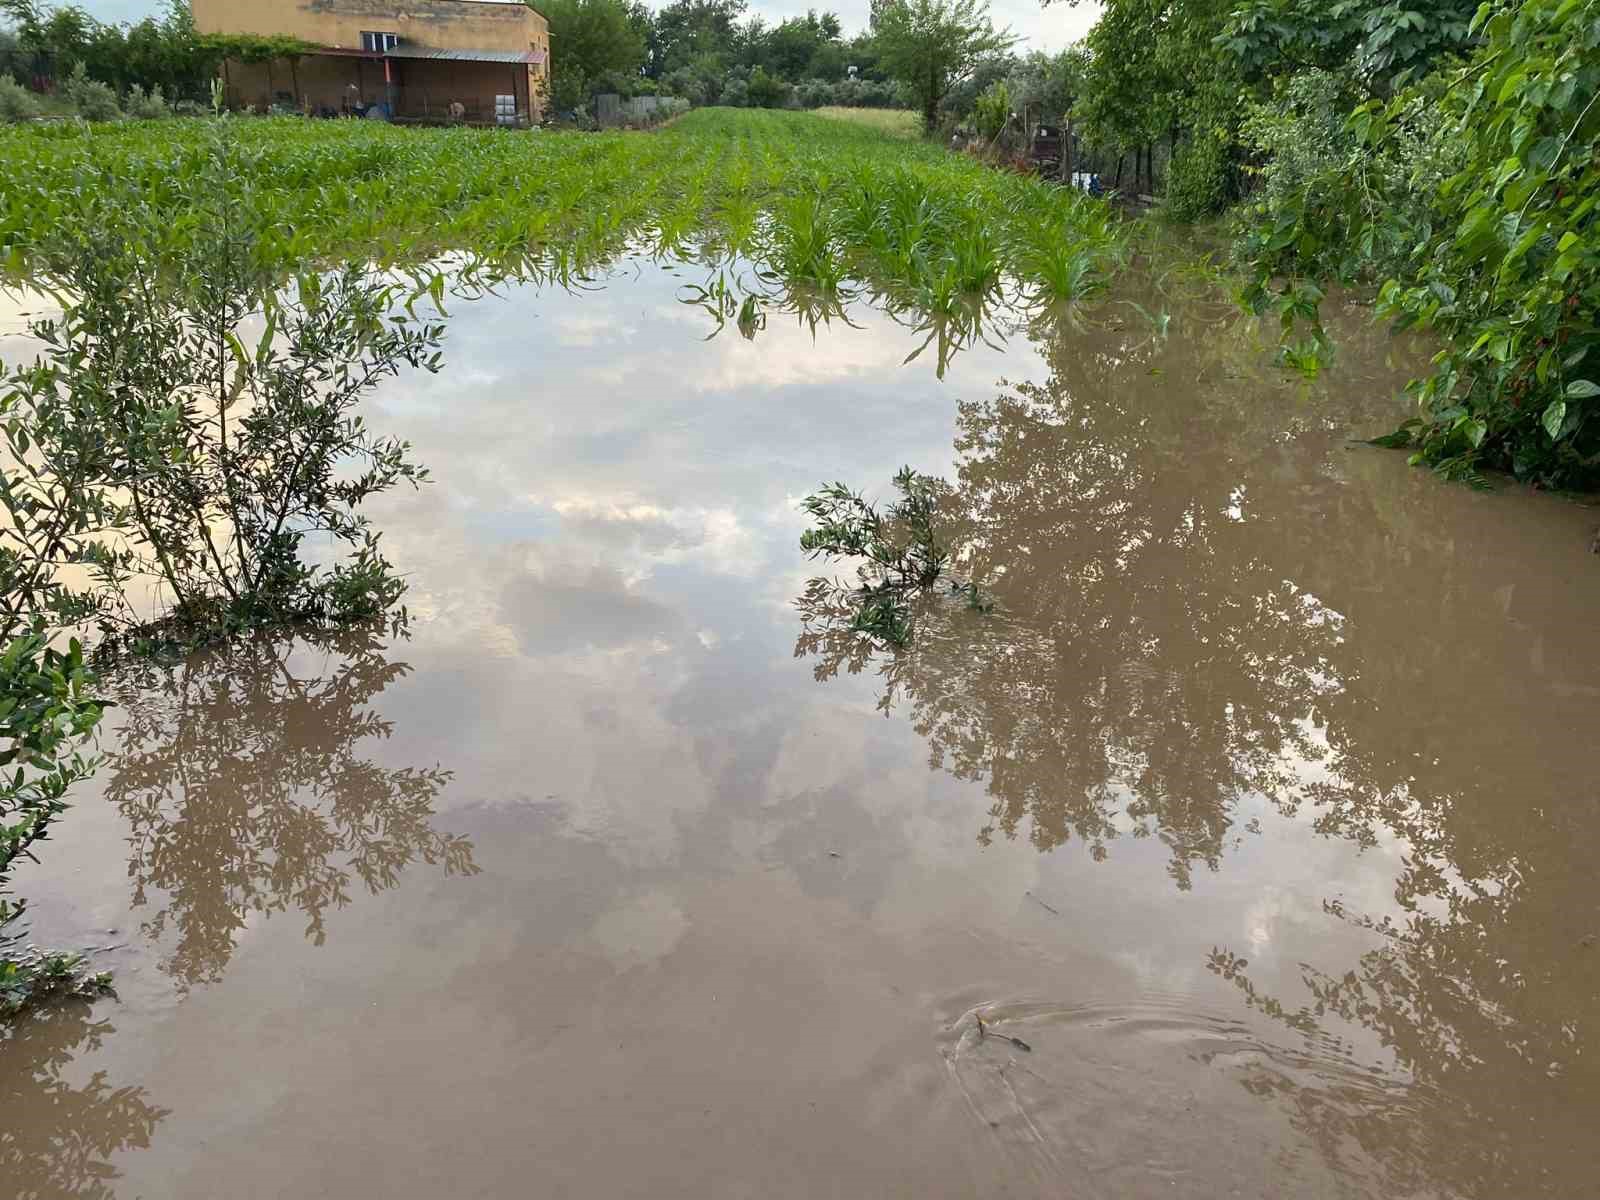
(1261, 810)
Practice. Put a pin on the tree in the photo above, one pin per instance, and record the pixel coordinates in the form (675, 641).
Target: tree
(163, 51)
(592, 38)
(931, 45)
(688, 31)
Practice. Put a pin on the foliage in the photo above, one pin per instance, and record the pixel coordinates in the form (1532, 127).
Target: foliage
(766, 91)
(146, 106)
(1153, 74)
(160, 51)
(687, 32)
(1198, 178)
(593, 37)
(1383, 44)
(1499, 258)
(927, 231)
(46, 709)
(1297, 135)
(992, 112)
(89, 98)
(229, 457)
(48, 520)
(931, 45)
(255, 47)
(17, 103)
(903, 553)
(1177, 71)
(1049, 84)
(47, 703)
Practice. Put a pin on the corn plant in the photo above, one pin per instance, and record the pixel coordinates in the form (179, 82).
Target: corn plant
(808, 202)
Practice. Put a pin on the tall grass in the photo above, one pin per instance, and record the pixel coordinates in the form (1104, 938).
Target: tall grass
(898, 122)
(816, 204)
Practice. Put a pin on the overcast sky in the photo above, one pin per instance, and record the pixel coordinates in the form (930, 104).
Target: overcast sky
(1044, 28)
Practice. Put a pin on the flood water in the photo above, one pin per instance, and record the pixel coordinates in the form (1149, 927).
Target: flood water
(1261, 810)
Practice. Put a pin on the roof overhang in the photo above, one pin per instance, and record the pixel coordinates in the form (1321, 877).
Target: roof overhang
(531, 58)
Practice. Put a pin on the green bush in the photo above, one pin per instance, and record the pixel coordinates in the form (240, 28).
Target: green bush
(1476, 193)
(767, 91)
(1299, 134)
(17, 103)
(992, 111)
(89, 98)
(1198, 181)
(146, 106)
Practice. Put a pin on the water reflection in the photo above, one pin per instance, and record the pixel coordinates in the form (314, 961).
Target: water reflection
(1148, 664)
(57, 1139)
(938, 315)
(248, 783)
(1197, 609)
(1488, 991)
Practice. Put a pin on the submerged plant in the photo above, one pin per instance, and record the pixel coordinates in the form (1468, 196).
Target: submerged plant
(213, 417)
(48, 707)
(901, 548)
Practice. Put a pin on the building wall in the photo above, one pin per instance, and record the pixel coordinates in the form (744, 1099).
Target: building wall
(421, 88)
(441, 24)
(319, 82)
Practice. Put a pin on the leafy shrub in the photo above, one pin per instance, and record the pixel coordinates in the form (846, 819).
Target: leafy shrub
(902, 552)
(47, 706)
(217, 462)
(146, 106)
(89, 98)
(736, 94)
(766, 91)
(1300, 134)
(814, 93)
(992, 111)
(1198, 178)
(17, 103)
(1478, 191)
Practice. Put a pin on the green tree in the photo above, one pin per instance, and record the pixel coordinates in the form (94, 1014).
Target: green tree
(592, 38)
(696, 31)
(932, 45)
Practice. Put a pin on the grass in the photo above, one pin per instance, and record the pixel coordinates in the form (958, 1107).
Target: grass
(819, 206)
(897, 122)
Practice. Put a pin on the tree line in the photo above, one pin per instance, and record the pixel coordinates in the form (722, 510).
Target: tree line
(710, 52)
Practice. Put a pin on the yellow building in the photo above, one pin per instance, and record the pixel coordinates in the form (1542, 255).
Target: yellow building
(481, 61)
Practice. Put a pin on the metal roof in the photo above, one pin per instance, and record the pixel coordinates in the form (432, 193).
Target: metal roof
(528, 57)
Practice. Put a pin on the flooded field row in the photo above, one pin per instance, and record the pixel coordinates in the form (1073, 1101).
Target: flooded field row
(1242, 849)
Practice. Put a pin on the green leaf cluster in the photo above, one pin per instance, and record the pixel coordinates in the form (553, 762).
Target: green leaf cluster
(1497, 252)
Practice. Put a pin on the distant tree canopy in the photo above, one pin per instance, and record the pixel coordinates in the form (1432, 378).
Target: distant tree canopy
(161, 51)
(713, 51)
(593, 40)
(932, 45)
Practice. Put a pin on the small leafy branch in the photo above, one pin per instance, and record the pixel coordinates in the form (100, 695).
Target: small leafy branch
(902, 551)
(47, 708)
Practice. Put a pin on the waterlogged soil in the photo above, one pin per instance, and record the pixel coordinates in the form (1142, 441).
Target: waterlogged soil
(1256, 822)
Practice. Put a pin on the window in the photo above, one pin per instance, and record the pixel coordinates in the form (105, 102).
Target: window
(377, 43)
